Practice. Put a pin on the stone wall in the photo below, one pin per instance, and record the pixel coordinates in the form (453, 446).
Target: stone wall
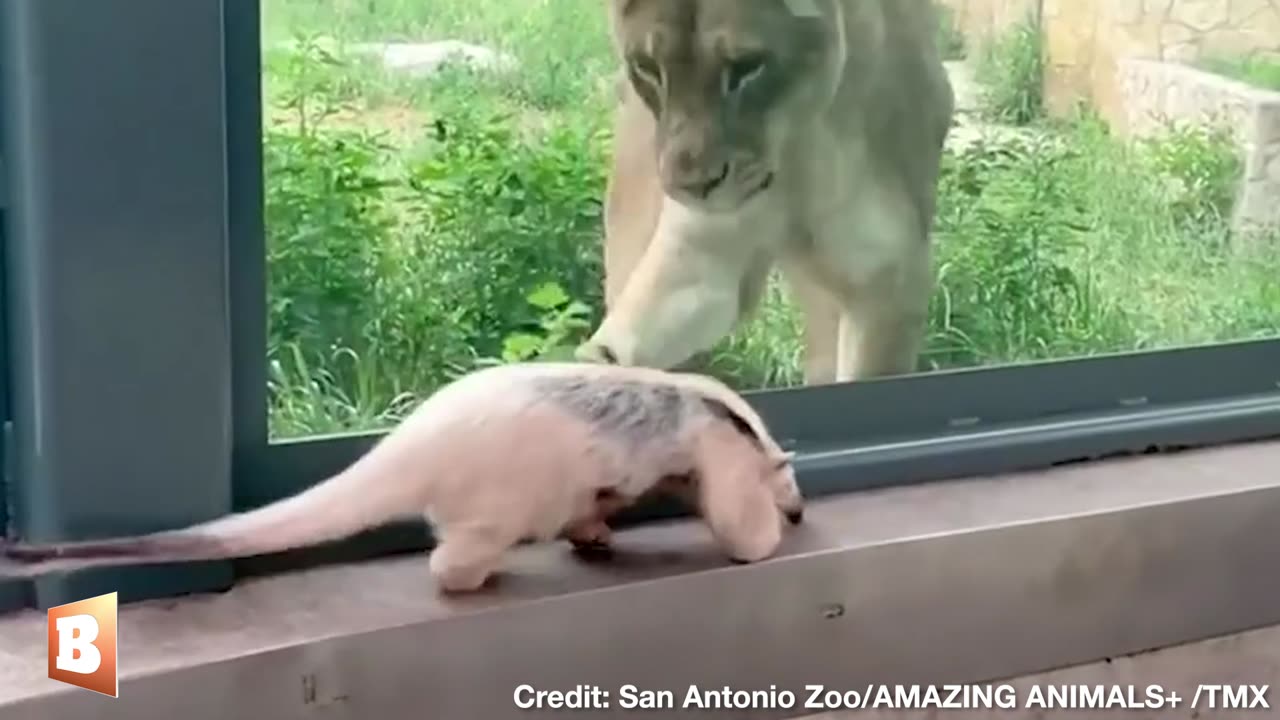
(1131, 61)
(1152, 92)
(1086, 39)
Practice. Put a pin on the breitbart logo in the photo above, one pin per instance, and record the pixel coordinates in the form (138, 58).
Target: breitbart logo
(82, 644)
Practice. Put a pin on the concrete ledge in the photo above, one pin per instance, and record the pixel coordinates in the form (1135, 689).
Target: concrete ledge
(960, 581)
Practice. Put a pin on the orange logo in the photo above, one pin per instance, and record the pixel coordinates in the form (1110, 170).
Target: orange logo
(82, 644)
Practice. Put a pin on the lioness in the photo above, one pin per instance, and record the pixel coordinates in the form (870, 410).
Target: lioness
(803, 134)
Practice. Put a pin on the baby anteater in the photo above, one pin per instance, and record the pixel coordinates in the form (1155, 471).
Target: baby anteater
(504, 455)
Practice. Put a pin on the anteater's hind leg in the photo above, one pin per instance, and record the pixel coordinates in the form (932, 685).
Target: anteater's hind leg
(464, 559)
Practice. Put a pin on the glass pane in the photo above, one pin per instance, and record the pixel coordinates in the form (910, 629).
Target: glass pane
(437, 175)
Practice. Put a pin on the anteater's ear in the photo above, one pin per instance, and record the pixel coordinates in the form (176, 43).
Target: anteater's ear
(740, 511)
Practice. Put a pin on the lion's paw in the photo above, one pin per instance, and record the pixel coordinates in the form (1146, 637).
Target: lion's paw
(595, 352)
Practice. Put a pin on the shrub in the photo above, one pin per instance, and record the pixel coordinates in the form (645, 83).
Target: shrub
(1010, 66)
(1011, 224)
(390, 273)
(1203, 165)
(501, 215)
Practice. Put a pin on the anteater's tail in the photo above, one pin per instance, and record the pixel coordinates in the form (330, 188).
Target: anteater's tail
(371, 492)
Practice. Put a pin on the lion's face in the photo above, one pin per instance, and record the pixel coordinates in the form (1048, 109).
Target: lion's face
(726, 81)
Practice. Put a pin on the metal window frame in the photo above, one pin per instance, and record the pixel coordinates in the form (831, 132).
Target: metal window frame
(200, 399)
(118, 328)
(11, 593)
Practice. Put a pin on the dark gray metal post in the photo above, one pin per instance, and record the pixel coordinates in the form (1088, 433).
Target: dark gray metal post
(13, 594)
(246, 248)
(119, 323)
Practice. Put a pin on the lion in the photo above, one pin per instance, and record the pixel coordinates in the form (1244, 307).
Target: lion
(803, 135)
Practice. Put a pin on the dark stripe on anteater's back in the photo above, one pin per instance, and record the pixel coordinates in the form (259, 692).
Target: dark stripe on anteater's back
(627, 408)
(724, 412)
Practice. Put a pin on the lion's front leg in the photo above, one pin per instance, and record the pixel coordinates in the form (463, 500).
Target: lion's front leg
(883, 328)
(875, 261)
(821, 313)
(685, 294)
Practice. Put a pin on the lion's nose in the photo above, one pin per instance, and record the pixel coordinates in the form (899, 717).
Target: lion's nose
(701, 183)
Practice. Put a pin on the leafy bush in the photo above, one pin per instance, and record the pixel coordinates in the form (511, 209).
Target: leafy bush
(1204, 166)
(562, 324)
(391, 272)
(1010, 66)
(1073, 242)
(505, 215)
(1011, 225)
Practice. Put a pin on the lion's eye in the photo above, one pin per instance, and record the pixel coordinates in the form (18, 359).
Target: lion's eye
(647, 70)
(740, 72)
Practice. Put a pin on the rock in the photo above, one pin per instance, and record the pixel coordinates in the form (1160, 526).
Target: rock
(421, 59)
(965, 88)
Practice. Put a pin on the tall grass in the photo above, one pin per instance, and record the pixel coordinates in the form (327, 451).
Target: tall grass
(1010, 67)
(418, 228)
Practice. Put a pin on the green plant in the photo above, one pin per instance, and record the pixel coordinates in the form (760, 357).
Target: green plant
(391, 268)
(311, 80)
(507, 214)
(1203, 166)
(328, 216)
(562, 324)
(1009, 231)
(1010, 68)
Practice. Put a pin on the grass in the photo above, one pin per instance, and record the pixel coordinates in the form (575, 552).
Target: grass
(1256, 70)
(1010, 68)
(418, 228)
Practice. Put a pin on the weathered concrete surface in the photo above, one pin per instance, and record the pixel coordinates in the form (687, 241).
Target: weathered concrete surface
(1251, 658)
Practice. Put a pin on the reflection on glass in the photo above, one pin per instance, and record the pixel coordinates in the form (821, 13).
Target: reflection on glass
(436, 174)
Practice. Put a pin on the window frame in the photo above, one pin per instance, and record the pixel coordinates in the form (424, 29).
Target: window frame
(849, 437)
(12, 594)
(116, 237)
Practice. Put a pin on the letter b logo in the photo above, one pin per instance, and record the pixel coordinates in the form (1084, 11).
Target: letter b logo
(82, 644)
(76, 651)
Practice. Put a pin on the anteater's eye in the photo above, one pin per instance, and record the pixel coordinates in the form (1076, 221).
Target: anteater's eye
(740, 72)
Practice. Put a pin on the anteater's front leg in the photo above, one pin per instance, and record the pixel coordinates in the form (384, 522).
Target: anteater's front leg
(591, 535)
